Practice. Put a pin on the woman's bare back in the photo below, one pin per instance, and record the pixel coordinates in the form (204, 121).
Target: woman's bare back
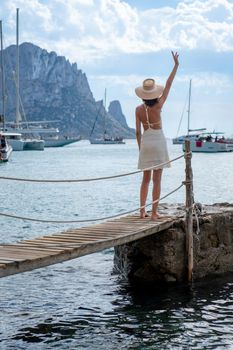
(154, 116)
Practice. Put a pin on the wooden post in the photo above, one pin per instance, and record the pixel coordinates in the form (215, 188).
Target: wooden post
(189, 209)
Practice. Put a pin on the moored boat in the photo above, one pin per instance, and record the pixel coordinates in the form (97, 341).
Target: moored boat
(105, 139)
(34, 145)
(192, 134)
(179, 140)
(211, 143)
(60, 141)
(15, 140)
(5, 149)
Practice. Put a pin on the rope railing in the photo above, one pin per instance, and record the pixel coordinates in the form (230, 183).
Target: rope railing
(91, 179)
(90, 220)
(190, 207)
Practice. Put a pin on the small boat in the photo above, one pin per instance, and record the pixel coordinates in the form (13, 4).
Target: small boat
(211, 143)
(60, 141)
(192, 134)
(33, 145)
(5, 149)
(18, 143)
(15, 140)
(179, 140)
(105, 140)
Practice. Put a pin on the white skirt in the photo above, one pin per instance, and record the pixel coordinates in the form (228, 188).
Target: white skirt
(153, 150)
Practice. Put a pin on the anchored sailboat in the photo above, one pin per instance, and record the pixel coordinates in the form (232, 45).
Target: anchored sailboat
(205, 142)
(105, 139)
(5, 148)
(21, 142)
(192, 134)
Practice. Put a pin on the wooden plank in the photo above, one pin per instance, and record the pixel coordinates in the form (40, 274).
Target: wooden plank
(98, 229)
(53, 243)
(4, 261)
(31, 247)
(10, 259)
(64, 241)
(78, 236)
(17, 255)
(25, 255)
(95, 232)
(90, 236)
(42, 246)
(65, 246)
(114, 231)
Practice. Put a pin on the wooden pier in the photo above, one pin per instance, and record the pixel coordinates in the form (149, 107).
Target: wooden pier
(43, 251)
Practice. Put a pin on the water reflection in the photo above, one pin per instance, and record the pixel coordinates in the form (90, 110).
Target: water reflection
(178, 317)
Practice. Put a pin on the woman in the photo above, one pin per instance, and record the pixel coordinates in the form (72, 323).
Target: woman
(152, 144)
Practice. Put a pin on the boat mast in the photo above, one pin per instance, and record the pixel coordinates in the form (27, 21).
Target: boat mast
(17, 116)
(2, 79)
(190, 83)
(105, 98)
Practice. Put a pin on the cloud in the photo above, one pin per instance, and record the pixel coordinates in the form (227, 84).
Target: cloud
(118, 45)
(211, 93)
(92, 29)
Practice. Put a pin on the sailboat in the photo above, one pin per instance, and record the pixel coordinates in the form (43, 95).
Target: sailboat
(105, 139)
(192, 134)
(201, 141)
(5, 148)
(34, 134)
(21, 142)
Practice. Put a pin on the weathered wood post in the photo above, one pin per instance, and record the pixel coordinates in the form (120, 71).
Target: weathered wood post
(189, 209)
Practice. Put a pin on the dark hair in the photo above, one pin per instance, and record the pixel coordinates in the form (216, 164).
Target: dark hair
(151, 103)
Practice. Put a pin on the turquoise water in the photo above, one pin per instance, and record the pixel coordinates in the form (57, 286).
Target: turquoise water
(82, 304)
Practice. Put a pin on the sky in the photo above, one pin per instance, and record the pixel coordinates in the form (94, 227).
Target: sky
(119, 43)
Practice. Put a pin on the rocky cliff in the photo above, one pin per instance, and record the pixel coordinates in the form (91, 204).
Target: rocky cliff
(51, 88)
(115, 110)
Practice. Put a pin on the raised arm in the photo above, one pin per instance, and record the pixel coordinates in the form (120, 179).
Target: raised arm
(170, 78)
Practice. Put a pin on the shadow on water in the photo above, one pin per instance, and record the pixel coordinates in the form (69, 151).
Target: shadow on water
(146, 317)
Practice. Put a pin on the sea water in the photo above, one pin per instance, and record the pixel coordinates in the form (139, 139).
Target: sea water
(82, 304)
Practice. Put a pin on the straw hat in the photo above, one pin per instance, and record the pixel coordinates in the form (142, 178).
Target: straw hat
(149, 90)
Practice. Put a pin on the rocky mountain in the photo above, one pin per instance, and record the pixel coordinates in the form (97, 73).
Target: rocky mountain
(115, 110)
(51, 88)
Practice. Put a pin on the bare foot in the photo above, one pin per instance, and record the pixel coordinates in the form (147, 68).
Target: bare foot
(143, 214)
(155, 217)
